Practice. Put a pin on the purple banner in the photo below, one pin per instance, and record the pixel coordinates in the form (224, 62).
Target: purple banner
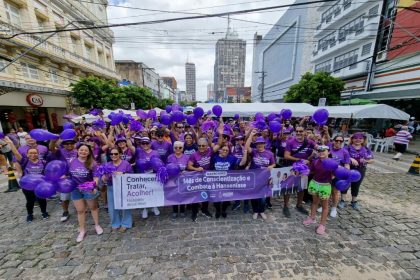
(214, 186)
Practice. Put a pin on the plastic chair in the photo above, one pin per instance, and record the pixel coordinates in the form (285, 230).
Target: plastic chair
(383, 144)
(371, 142)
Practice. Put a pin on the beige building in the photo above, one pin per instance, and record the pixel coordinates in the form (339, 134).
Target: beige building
(34, 90)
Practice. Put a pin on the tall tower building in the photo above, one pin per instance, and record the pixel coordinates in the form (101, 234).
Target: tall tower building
(190, 81)
(229, 66)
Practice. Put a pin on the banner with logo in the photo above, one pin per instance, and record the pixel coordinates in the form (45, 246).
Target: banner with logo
(143, 190)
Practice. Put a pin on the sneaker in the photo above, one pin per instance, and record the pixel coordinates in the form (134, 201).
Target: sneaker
(333, 213)
(29, 218)
(81, 236)
(45, 216)
(302, 210)
(156, 211)
(224, 215)
(207, 214)
(145, 214)
(236, 206)
(65, 216)
(194, 217)
(321, 229)
(286, 212)
(269, 205)
(355, 205)
(255, 216)
(319, 210)
(246, 208)
(217, 215)
(99, 230)
(342, 204)
(309, 221)
(263, 216)
(174, 216)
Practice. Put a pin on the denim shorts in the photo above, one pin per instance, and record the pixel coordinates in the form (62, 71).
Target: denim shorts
(76, 194)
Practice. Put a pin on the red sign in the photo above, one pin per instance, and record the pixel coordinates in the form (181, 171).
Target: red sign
(34, 100)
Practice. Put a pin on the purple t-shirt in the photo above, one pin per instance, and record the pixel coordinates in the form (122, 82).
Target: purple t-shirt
(143, 157)
(360, 155)
(288, 129)
(202, 160)
(292, 145)
(124, 167)
(42, 150)
(181, 161)
(127, 155)
(163, 149)
(79, 173)
(30, 167)
(341, 156)
(262, 159)
(224, 163)
(238, 152)
(321, 175)
(65, 155)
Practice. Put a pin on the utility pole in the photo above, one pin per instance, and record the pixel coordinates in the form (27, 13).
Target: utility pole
(264, 73)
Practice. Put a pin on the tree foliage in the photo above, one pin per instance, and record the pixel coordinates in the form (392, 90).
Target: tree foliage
(92, 92)
(311, 87)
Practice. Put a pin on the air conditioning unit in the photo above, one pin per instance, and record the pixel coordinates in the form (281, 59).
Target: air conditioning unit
(381, 56)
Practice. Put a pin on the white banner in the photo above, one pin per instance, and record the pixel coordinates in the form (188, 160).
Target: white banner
(133, 191)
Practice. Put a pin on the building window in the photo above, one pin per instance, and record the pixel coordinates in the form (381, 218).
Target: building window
(373, 12)
(13, 14)
(344, 60)
(29, 70)
(89, 52)
(327, 41)
(366, 49)
(346, 4)
(323, 67)
(355, 26)
(54, 76)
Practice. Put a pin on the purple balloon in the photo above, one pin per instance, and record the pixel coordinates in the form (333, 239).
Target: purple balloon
(30, 181)
(55, 169)
(342, 185)
(168, 109)
(141, 114)
(217, 110)
(165, 119)
(191, 120)
(173, 169)
(1, 135)
(320, 116)
(151, 114)
(177, 116)
(208, 112)
(162, 113)
(342, 173)
(156, 163)
(259, 117)
(68, 134)
(275, 126)
(198, 112)
(45, 189)
(329, 164)
(286, 114)
(68, 126)
(42, 135)
(271, 117)
(236, 116)
(354, 175)
(176, 107)
(143, 165)
(66, 185)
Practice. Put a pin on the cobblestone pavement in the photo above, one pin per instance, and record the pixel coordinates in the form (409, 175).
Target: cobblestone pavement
(381, 241)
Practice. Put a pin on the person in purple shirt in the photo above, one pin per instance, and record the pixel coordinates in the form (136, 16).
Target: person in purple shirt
(81, 171)
(31, 143)
(200, 161)
(31, 164)
(288, 128)
(360, 157)
(190, 146)
(320, 189)
(127, 148)
(143, 156)
(260, 158)
(120, 219)
(180, 159)
(162, 147)
(66, 153)
(297, 148)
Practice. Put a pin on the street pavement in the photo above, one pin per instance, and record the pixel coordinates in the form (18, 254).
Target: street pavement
(381, 241)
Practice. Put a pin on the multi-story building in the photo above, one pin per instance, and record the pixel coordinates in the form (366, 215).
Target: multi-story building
(237, 95)
(182, 96)
(139, 74)
(190, 82)
(34, 90)
(210, 92)
(280, 58)
(166, 91)
(229, 65)
(170, 81)
(346, 37)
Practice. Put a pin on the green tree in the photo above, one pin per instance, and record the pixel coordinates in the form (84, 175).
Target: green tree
(311, 87)
(141, 97)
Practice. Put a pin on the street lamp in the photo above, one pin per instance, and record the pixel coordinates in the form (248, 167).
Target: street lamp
(85, 22)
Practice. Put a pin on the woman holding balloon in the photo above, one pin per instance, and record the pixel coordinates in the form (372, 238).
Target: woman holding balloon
(82, 171)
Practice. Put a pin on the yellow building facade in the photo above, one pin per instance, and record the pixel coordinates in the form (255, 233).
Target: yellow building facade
(34, 91)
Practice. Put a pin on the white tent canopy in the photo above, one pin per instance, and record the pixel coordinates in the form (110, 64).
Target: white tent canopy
(371, 111)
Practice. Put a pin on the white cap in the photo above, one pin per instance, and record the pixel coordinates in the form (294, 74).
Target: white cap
(412, 118)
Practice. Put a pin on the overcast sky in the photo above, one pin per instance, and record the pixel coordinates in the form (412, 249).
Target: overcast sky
(166, 47)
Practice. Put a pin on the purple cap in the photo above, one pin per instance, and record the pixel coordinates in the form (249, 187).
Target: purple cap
(119, 139)
(259, 140)
(239, 137)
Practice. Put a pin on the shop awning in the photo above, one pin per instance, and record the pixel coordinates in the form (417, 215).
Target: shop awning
(373, 111)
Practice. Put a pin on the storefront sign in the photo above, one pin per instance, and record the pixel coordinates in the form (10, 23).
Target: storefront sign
(34, 100)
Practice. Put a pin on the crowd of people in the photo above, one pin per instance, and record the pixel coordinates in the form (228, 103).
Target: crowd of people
(210, 144)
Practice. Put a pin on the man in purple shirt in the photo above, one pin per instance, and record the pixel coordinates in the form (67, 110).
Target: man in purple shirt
(31, 143)
(298, 148)
(162, 147)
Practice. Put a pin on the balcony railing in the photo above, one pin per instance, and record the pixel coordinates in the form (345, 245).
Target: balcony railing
(8, 29)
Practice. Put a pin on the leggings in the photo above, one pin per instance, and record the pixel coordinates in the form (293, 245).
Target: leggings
(181, 208)
(355, 186)
(258, 205)
(221, 206)
(30, 202)
(204, 207)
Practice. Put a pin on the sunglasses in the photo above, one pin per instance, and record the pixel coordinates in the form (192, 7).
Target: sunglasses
(341, 141)
(114, 154)
(202, 146)
(178, 148)
(144, 143)
(226, 137)
(357, 138)
(299, 131)
(179, 127)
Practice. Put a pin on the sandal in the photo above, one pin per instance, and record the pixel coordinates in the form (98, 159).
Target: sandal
(81, 236)
(99, 230)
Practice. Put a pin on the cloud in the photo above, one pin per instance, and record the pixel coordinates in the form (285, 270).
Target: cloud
(167, 46)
